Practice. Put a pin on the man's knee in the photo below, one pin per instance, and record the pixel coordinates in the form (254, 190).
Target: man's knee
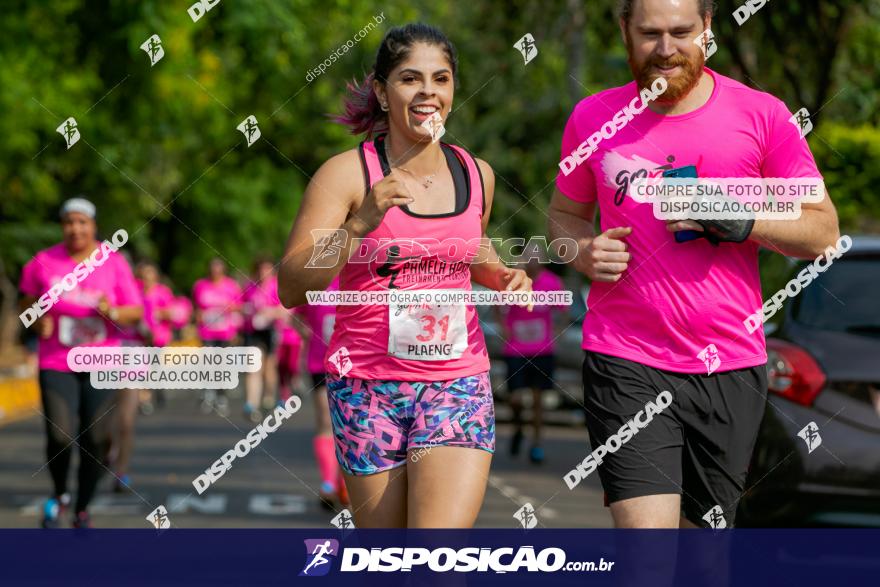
(647, 511)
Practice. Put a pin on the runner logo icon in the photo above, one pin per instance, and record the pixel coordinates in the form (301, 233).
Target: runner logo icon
(525, 46)
(810, 434)
(715, 518)
(709, 356)
(526, 516)
(319, 554)
(69, 130)
(153, 48)
(343, 520)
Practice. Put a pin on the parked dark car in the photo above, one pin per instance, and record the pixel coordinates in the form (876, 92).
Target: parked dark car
(824, 369)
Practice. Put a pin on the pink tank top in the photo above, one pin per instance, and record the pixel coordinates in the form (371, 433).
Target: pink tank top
(410, 251)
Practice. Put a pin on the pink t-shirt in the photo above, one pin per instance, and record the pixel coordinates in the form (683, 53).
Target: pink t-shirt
(218, 303)
(159, 297)
(260, 299)
(321, 320)
(290, 348)
(181, 311)
(75, 317)
(677, 298)
(531, 333)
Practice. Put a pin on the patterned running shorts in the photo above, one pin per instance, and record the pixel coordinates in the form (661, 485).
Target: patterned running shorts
(376, 422)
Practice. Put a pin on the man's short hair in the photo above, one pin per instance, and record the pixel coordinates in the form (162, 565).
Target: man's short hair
(625, 9)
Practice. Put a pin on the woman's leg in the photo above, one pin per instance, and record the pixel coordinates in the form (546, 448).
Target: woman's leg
(126, 413)
(379, 500)
(322, 412)
(453, 436)
(252, 391)
(323, 444)
(446, 487)
(253, 382)
(270, 379)
(60, 395)
(537, 415)
(96, 426)
(368, 420)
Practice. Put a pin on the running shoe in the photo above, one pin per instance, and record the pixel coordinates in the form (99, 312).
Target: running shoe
(252, 414)
(122, 484)
(146, 408)
(516, 442)
(53, 509)
(327, 495)
(536, 455)
(222, 405)
(82, 520)
(268, 403)
(209, 399)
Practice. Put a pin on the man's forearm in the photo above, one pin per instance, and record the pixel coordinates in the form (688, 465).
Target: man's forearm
(805, 238)
(562, 225)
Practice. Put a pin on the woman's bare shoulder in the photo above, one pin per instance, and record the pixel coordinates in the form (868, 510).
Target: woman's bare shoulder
(341, 175)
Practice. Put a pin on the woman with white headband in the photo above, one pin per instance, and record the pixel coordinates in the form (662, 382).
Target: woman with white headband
(77, 293)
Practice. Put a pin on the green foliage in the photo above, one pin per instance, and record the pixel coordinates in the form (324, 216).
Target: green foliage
(849, 158)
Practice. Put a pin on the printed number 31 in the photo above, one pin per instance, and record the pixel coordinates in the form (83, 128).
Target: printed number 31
(428, 324)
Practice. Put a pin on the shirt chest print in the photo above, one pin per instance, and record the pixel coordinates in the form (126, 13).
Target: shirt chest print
(619, 172)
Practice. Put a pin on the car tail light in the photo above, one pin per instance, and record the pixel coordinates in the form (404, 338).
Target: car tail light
(792, 372)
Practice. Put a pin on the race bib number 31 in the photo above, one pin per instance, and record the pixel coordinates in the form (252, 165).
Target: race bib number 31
(425, 332)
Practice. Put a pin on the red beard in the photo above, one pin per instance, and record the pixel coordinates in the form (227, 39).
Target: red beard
(679, 86)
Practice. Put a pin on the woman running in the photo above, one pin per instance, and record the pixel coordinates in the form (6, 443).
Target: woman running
(87, 314)
(217, 299)
(319, 323)
(408, 386)
(262, 312)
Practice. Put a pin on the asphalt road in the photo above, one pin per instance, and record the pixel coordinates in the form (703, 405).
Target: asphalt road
(275, 485)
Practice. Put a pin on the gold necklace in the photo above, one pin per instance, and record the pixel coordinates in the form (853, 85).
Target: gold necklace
(427, 180)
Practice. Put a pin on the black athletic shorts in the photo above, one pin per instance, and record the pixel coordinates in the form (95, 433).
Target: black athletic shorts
(530, 372)
(264, 339)
(698, 447)
(318, 380)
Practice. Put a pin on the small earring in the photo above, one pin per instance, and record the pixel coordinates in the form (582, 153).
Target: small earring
(384, 107)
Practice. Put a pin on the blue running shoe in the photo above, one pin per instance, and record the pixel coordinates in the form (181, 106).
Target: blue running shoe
(536, 455)
(122, 484)
(54, 509)
(327, 495)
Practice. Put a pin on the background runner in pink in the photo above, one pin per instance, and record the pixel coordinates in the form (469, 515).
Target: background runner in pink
(262, 304)
(75, 308)
(320, 320)
(217, 298)
(687, 294)
(158, 300)
(531, 333)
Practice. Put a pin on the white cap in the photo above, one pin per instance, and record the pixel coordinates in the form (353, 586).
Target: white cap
(78, 204)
